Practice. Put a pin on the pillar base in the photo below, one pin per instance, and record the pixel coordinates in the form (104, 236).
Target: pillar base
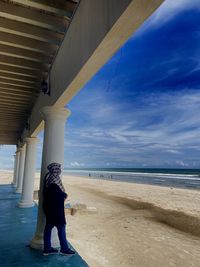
(37, 241)
(18, 191)
(25, 204)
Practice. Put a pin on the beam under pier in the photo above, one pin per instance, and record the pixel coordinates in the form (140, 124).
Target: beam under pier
(97, 31)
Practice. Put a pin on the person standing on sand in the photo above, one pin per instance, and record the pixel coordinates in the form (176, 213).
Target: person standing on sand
(53, 205)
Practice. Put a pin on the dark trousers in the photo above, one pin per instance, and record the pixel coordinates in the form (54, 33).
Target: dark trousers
(61, 235)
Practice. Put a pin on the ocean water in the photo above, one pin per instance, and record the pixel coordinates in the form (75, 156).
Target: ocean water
(180, 178)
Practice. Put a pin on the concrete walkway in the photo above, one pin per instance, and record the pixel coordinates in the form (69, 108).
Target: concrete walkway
(17, 227)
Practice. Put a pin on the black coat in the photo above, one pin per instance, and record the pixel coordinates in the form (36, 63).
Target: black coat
(53, 205)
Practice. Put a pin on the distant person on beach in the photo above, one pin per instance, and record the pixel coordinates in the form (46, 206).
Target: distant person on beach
(54, 196)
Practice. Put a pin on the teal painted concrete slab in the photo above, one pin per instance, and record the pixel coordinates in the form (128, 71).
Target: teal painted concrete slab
(17, 228)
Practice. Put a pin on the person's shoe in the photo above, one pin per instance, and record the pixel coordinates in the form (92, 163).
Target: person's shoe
(50, 251)
(67, 252)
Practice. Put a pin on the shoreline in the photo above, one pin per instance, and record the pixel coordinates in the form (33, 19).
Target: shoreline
(163, 177)
(134, 182)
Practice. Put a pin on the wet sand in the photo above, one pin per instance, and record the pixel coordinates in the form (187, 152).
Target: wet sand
(131, 224)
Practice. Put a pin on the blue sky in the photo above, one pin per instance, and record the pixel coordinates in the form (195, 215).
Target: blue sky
(142, 108)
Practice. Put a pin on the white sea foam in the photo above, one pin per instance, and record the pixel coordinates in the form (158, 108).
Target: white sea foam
(140, 174)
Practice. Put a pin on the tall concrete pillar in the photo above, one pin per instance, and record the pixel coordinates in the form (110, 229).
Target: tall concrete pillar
(29, 173)
(21, 169)
(16, 171)
(53, 151)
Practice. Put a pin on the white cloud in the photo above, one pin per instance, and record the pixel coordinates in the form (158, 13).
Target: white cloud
(167, 11)
(132, 136)
(76, 164)
(181, 163)
(173, 151)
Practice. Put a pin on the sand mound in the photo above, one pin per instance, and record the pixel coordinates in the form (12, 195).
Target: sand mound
(173, 218)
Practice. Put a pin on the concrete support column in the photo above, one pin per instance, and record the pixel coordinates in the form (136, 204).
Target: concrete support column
(53, 151)
(21, 169)
(16, 170)
(29, 173)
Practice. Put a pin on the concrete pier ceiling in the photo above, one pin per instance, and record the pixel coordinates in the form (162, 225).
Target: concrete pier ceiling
(31, 33)
(61, 42)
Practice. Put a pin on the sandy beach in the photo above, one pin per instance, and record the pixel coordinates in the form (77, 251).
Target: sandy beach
(132, 224)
